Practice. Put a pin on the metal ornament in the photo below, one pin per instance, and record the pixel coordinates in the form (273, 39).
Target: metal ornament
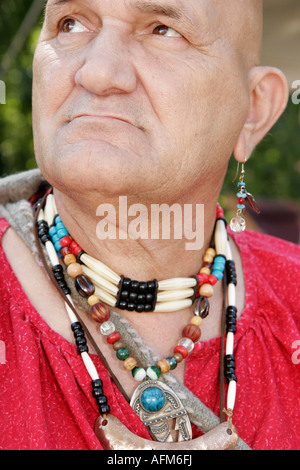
(157, 406)
(113, 435)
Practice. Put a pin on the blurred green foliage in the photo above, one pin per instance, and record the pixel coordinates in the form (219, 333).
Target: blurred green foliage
(272, 172)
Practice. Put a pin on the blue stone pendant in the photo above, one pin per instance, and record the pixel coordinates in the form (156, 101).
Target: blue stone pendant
(158, 406)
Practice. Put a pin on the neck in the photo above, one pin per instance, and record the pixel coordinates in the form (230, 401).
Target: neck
(120, 239)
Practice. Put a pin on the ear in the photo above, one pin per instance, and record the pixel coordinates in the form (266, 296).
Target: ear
(269, 95)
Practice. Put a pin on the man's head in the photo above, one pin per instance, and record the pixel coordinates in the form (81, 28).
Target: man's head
(150, 97)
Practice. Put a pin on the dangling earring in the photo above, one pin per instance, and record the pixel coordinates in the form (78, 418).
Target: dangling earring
(238, 223)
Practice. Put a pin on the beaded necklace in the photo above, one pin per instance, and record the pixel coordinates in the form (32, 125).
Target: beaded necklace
(151, 396)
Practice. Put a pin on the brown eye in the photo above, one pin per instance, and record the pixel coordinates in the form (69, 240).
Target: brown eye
(69, 25)
(163, 30)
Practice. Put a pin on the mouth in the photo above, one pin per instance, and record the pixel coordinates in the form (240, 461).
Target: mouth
(101, 117)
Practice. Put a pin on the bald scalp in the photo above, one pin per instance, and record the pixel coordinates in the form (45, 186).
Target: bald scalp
(249, 32)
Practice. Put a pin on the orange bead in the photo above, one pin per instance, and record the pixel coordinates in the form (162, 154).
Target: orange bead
(206, 290)
(74, 270)
(196, 320)
(205, 271)
(93, 300)
(208, 259)
(211, 252)
(130, 363)
(69, 259)
(163, 365)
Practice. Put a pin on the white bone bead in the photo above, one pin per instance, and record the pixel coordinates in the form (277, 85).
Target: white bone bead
(100, 268)
(89, 366)
(231, 295)
(41, 215)
(50, 210)
(172, 306)
(221, 238)
(167, 296)
(100, 282)
(231, 395)
(229, 342)
(177, 283)
(54, 260)
(70, 312)
(105, 297)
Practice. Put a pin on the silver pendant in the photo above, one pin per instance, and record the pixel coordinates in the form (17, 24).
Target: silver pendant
(159, 407)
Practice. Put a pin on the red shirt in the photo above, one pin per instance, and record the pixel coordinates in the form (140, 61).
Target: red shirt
(45, 391)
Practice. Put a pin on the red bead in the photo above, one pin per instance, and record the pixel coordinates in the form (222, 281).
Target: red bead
(65, 251)
(76, 249)
(111, 339)
(241, 200)
(212, 280)
(65, 241)
(182, 350)
(203, 278)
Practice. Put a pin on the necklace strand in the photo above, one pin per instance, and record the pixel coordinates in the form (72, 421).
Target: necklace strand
(224, 252)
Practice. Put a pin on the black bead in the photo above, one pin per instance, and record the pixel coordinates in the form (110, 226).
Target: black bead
(151, 286)
(122, 305)
(131, 306)
(76, 326)
(148, 308)
(66, 290)
(78, 333)
(79, 256)
(143, 287)
(98, 392)
(126, 283)
(80, 341)
(101, 400)
(140, 308)
(57, 269)
(104, 409)
(97, 383)
(134, 286)
(45, 238)
(133, 297)
(125, 294)
(82, 348)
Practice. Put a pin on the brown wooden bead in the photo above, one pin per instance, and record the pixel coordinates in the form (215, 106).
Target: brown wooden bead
(192, 332)
(84, 286)
(130, 363)
(178, 357)
(163, 365)
(100, 312)
(118, 345)
(74, 270)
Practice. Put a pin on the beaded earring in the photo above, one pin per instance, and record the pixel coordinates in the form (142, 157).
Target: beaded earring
(238, 223)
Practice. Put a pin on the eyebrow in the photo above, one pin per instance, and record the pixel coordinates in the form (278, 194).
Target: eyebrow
(178, 13)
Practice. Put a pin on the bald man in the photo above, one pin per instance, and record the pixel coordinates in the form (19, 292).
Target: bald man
(149, 100)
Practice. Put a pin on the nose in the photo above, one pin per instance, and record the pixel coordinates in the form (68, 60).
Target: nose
(107, 68)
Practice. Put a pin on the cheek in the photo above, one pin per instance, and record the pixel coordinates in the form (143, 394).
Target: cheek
(53, 81)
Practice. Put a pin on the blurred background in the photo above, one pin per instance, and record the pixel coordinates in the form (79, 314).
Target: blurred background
(273, 172)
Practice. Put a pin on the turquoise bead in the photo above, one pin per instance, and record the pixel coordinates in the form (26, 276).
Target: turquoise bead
(152, 399)
(173, 363)
(241, 206)
(58, 246)
(217, 274)
(243, 195)
(52, 231)
(61, 233)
